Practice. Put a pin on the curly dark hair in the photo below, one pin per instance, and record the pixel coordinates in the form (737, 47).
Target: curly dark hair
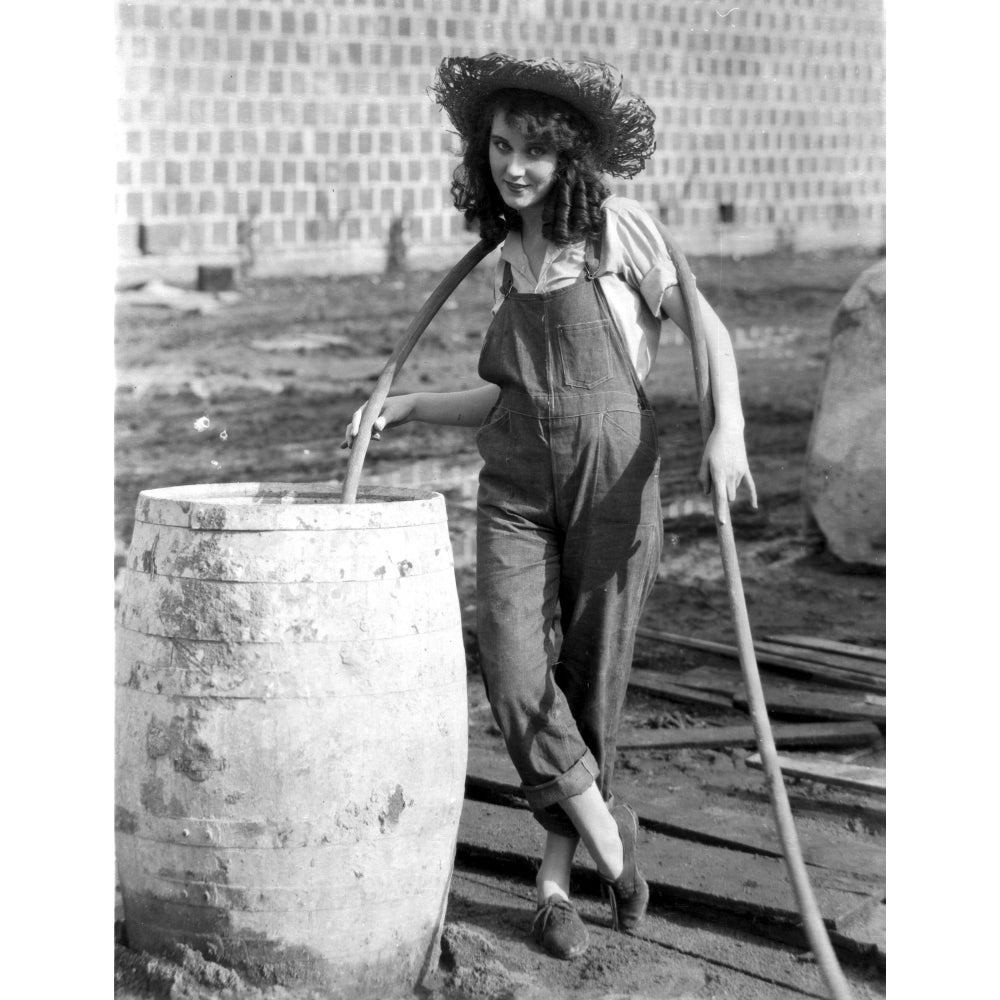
(572, 209)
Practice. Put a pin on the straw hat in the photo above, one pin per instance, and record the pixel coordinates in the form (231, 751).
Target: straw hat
(623, 122)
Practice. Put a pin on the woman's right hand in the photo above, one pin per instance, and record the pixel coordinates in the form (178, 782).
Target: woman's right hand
(395, 410)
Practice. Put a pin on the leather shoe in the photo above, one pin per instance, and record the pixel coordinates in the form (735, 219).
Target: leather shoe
(629, 893)
(557, 927)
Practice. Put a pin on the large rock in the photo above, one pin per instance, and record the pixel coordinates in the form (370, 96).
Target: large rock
(844, 488)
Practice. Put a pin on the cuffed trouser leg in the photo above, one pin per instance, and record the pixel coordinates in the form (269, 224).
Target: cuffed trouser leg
(599, 635)
(559, 721)
(518, 587)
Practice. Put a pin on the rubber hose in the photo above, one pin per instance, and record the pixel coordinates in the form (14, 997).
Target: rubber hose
(819, 940)
(437, 298)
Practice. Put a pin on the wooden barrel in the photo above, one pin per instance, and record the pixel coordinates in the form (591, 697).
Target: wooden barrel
(291, 731)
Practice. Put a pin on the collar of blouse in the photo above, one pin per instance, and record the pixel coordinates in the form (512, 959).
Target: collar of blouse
(561, 263)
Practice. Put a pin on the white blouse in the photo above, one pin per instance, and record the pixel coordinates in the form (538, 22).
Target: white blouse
(635, 270)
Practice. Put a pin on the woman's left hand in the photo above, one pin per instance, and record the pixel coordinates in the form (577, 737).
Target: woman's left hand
(725, 464)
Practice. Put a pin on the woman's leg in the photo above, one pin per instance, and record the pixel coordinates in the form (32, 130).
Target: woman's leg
(598, 830)
(557, 860)
(610, 834)
(517, 581)
(599, 833)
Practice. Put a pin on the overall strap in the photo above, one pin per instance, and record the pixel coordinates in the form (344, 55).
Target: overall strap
(591, 259)
(592, 251)
(618, 340)
(508, 280)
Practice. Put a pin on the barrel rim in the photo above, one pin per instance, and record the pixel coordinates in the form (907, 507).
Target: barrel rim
(268, 506)
(238, 494)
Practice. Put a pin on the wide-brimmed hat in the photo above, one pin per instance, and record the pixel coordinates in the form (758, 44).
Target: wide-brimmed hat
(623, 122)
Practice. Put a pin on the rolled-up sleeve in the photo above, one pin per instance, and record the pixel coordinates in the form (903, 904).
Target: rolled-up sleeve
(636, 250)
(655, 282)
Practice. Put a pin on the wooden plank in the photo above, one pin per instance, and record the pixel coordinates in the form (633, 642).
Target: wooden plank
(835, 660)
(664, 945)
(864, 931)
(677, 870)
(831, 675)
(819, 734)
(692, 815)
(783, 700)
(491, 769)
(718, 680)
(811, 705)
(729, 681)
(830, 772)
(656, 683)
(753, 967)
(788, 660)
(722, 823)
(847, 648)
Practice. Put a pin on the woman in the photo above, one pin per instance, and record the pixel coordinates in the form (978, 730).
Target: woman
(569, 528)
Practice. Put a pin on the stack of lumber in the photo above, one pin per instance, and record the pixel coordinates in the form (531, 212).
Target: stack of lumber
(723, 688)
(820, 660)
(836, 663)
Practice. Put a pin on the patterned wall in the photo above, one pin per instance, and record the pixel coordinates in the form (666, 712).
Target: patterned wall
(304, 127)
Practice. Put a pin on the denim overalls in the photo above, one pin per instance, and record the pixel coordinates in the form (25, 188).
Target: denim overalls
(569, 531)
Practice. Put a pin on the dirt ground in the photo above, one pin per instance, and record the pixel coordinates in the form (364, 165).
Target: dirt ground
(277, 375)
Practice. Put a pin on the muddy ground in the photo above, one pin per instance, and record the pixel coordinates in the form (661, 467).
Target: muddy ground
(277, 375)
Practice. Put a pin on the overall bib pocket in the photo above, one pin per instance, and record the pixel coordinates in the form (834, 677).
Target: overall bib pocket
(584, 353)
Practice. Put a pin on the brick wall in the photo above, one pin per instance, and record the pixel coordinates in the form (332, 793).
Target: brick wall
(305, 125)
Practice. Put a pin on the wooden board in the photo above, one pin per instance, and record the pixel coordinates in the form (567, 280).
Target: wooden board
(490, 769)
(722, 823)
(831, 675)
(691, 815)
(847, 648)
(489, 955)
(717, 680)
(790, 703)
(838, 661)
(864, 931)
(729, 681)
(666, 945)
(678, 871)
(714, 686)
(821, 734)
(830, 772)
(656, 683)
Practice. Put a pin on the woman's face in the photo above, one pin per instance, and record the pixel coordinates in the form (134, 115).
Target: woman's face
(523, 170)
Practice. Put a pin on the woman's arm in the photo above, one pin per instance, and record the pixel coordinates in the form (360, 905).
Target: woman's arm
(636, 250)
(463, 408)
(725, 457)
